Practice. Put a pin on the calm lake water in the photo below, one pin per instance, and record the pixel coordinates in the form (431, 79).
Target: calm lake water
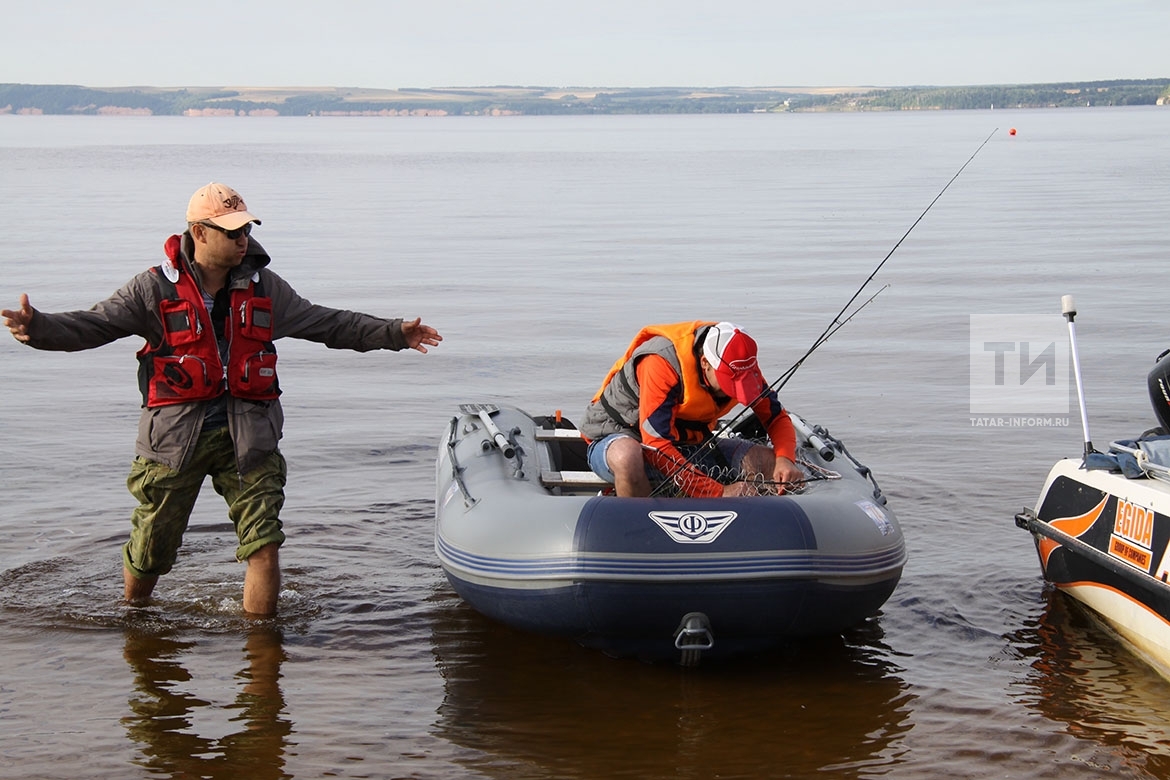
(538, 246)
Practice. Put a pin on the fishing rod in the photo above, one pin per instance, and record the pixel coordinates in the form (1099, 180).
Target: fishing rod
(783, 378)
(869, 278)
(836, 323)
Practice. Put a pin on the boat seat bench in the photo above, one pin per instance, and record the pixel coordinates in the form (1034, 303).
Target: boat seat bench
(556, 434)
(585, 480)
(573, 479)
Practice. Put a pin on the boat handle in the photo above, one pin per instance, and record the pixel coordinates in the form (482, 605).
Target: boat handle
(694, 633)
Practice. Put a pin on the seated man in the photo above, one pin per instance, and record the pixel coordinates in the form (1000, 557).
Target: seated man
(660, 401)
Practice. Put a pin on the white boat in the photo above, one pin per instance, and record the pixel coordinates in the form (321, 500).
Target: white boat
(1102, 538)
(529, 537)
(1102, 527)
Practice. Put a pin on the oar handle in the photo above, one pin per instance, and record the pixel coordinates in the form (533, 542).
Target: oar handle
(497, 436)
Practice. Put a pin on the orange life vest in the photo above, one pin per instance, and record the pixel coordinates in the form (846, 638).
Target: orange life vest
(697, 407)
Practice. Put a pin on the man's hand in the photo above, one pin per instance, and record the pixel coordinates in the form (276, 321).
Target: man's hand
(786, 473)
(17, 322)
(419, 336)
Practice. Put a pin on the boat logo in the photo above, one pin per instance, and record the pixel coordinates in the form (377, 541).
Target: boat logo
(1133, 535)
(693, 527)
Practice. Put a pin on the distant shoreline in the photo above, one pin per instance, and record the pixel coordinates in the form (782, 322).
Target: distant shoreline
(56, 99)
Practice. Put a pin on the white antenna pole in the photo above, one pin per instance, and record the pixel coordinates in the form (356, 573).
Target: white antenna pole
(1068, 308)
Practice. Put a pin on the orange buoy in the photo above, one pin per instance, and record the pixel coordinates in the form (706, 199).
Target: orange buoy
(1012, 131)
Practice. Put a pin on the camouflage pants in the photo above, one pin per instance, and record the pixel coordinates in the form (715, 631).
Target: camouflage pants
(166, 498)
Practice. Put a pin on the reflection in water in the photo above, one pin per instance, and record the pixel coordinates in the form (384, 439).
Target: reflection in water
(537, 707)
(1086, 679)
(163, 710)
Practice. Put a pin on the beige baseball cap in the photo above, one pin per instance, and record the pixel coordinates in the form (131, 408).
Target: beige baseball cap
(220, 205)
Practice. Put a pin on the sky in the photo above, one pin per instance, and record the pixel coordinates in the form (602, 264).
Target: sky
(392, 44)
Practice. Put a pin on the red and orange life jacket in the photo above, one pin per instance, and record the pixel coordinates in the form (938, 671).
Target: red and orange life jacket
(186, 365)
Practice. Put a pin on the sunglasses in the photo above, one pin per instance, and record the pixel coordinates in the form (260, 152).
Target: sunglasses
(246, 230)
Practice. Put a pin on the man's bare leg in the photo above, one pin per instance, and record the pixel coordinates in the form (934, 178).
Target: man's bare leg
(262, 581)
(624, 458)
(137, 589)
(758, 463)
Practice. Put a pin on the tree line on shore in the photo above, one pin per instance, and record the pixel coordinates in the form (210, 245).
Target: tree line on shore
(513, 100)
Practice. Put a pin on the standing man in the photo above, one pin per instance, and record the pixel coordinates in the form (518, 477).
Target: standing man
(661, 400)
(210, 393)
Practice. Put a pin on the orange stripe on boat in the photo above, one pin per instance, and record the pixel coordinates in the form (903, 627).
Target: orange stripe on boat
(1073, 526)
(1091, 584)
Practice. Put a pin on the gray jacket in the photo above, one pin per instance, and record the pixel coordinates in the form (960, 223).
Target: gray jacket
(617, 408)
(167, 434)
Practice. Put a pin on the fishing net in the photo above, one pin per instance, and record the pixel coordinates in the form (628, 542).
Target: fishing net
(704, 463)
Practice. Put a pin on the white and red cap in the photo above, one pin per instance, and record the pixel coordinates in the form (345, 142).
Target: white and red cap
(732, 353)
(220, 205)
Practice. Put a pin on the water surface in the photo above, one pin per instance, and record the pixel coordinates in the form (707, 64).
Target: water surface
(538, 246)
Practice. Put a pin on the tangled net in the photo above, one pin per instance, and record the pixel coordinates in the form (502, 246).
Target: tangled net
(687, 476)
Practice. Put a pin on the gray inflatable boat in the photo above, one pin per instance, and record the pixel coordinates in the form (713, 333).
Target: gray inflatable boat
(529, 537)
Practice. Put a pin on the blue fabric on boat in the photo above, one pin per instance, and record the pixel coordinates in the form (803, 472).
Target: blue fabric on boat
(1129, 466)
(1157, 450)
(1115, 461)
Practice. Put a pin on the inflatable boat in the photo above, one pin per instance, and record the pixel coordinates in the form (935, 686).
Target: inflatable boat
(529, 537)
(1102, 525)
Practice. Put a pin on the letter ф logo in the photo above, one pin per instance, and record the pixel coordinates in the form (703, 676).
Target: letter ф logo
(693, 527)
